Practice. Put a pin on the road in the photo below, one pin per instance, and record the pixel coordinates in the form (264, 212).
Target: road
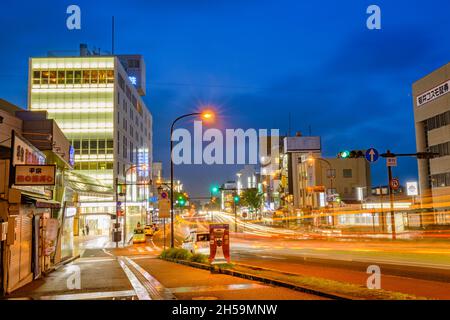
(415, 267)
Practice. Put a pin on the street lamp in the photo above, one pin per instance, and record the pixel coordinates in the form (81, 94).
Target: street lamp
(206, 115)
(330, 176)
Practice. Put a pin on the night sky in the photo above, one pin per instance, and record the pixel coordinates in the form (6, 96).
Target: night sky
(256, 62)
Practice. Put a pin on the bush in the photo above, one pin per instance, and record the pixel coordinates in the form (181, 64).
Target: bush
(182, 254)
(176, 253)
(200, 258)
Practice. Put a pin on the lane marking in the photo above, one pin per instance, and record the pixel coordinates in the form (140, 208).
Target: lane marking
(89, 260)
(108, 253)
(90, 295)
(140, 249)
(159, 292)
(140, 290)
(142, 257)
(149, 249)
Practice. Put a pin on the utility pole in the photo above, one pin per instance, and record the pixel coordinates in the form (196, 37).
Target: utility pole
(235, 212)
(389, 154)
(391, 199)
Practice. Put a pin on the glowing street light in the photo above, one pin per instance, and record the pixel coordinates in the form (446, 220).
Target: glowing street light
(206, 115)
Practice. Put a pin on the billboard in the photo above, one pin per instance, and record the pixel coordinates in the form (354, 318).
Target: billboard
(302, 144)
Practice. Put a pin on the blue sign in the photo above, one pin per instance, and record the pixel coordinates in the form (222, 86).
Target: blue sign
(71, 156)
(372, 155)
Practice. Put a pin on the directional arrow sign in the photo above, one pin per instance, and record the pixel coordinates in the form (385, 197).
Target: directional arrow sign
(372, 155)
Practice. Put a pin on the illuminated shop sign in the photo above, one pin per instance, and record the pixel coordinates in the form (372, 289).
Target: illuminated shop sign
(25, 153)
(35, 175)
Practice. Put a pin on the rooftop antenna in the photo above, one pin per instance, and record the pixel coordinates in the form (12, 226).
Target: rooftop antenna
(289, 124)
(112, 35)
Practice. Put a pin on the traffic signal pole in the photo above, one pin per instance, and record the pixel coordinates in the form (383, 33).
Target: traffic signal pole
(391, 201)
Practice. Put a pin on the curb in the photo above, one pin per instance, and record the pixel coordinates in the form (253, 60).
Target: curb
(59, 265)
(261, 279)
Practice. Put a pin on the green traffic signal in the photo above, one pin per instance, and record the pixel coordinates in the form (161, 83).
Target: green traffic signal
(215, 189)
(344, 154)
(236, 198)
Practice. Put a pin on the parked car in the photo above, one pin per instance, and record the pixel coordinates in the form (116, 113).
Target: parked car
(148, 229)
(197, 242)
(139, 236)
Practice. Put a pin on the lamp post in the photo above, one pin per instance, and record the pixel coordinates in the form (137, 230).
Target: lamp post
(330, 176)
(206, 115)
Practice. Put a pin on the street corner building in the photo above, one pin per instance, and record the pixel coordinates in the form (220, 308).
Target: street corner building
(431, 102)
(36, 206)
(97, 100)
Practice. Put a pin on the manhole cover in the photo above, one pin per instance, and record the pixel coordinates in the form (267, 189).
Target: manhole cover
(205, 298)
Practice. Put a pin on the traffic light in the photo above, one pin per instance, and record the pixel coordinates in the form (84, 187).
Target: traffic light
(214, 189)
(351, 154)
(181, 201)
(236, 198)
(344, 154)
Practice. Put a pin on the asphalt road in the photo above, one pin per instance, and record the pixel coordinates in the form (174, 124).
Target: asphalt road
(415, 267)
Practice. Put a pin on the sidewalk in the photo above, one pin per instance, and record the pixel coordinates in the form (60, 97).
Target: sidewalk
(147, 278)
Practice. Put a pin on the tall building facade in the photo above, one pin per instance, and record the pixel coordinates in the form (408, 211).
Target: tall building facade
(431, 100)
(99, 107)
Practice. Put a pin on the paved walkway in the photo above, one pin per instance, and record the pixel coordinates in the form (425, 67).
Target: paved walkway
(130, 273)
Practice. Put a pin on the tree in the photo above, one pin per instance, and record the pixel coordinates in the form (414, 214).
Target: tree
(252, 198)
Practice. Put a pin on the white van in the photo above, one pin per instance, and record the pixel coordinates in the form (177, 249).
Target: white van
(197, 242)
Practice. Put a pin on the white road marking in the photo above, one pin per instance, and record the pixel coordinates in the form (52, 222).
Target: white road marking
(159, 291)
(140, 290)
(90, 295)
(149, 249)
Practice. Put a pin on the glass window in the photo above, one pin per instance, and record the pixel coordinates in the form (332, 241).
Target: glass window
(102, 76)
(110, 144)
(77, 77)
(53, 77)
(110, 76)
(85, 146)
(86, 76)
(93, 145)
(109, 165)
(94, 76)
(101, 146)
(61, 77)
(45, 75)
(92, 165)
(347, 173)
(69, 76)
(36, 77)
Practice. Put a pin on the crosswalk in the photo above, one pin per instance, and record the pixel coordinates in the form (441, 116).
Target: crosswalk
(144, 249)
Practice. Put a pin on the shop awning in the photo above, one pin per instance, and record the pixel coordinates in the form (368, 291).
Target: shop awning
(43, 203)
(84, 184)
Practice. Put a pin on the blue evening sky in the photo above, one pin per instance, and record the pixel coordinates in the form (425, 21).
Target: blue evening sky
(256, 61)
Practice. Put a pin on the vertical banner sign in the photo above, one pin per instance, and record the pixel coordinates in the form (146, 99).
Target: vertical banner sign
(51, 234)
(219, 243)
